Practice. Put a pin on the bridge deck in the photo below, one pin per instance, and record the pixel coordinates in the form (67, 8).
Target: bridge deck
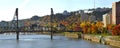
(37, 31)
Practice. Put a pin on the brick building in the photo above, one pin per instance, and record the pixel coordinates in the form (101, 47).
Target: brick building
(116, 13)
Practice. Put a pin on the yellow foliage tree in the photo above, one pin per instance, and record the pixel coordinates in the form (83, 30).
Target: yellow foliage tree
(99, 26)
(93, 28)
(85, 27)
(89, 27)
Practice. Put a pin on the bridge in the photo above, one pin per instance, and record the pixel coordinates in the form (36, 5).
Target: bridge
(36, 31)
(16, 29)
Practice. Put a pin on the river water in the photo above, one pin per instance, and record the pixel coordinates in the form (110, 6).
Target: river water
(44, 41)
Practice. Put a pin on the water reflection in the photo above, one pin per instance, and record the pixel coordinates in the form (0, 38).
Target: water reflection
(44, 41)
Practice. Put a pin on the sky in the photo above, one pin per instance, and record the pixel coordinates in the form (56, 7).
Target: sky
(29, 8)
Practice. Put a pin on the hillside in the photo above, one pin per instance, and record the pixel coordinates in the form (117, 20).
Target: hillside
(71, 18)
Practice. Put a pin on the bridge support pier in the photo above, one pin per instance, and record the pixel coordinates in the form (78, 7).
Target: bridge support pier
(17, 35)
(51, 35)
(51, 17)
(17, 27)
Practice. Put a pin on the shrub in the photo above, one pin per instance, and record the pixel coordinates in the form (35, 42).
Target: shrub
(116, 30)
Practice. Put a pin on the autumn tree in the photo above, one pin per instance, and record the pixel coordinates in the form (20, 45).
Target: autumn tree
(93, 28)
(85, 27)
(77, 27)
(99, 26)
(116, 30)
(109, 28)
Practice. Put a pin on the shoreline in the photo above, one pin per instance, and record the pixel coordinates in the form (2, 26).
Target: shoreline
(106, 40)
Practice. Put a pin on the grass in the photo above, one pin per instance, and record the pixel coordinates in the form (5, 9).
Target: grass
(106, 34)
(103, 34)
(116, 38)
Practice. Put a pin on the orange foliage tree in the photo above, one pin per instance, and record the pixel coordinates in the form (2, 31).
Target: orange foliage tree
(77, 27)
(109, 28)
(93, 28)
(89, 27)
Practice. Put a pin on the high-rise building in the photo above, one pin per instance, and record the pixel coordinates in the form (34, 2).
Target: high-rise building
(116, 13)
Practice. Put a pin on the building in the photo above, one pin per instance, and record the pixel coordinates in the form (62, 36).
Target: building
(21, 23)
(84, 16)
(116, 13)
(107, 19)
(11, 25)
(102, 9)
(65, 13)
(92, 18)
(3, 25)
(61, 27)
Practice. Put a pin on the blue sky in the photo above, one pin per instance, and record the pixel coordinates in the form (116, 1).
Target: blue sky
(28, 8)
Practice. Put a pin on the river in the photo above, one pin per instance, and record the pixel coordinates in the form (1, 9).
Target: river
(44, 41)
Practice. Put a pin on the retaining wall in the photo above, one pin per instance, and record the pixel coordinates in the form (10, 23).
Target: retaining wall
(104, 40)
(72, 35)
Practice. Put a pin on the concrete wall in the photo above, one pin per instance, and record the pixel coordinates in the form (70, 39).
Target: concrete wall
(104, 40)
(71, 35)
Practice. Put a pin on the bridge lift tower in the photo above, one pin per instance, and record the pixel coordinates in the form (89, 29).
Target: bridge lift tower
(51, 17)
(15, 18)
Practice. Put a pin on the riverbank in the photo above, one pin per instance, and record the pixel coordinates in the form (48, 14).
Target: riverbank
(107, 40)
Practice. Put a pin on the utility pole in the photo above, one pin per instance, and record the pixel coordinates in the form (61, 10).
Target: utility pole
(94, 11)
(51, 16)
(94, 4)
(17, 31)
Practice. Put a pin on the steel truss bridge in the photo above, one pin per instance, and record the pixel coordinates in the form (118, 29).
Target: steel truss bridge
(17, 30)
